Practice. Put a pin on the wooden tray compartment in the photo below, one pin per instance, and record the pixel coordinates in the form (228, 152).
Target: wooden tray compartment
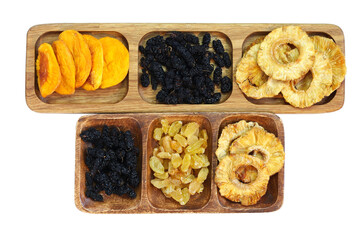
(131, 97)
(110, 95)
(113, 202)
(152, 200)
(149, 95)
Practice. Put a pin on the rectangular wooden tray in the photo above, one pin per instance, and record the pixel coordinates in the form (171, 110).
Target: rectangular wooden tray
(151, 200)
(130, 96)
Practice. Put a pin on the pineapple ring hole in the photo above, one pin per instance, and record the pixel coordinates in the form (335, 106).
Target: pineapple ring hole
(304, 83)
(257, 153)
(278, 47)
(246, 174)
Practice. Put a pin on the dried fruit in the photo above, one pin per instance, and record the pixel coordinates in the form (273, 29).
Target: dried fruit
(93, 82)
(157, 133)
(266, 145)
(175, 160)
(165, 125)
(174, 128)
(318, 89)
(67, 68)
(333, 53)
(156, 165)
(249, 72)
(293, 70)
(202, 175)
(232, 188)
(112, 162)
(191, 129)
(116, 62)
(47, 70)
(81, 54)
(230, 133)
(183, 68)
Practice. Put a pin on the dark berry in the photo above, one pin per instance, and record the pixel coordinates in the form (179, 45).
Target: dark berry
(226, 59)
(90, 135)
(145, 80)
(112, 163)
(206, 39)
(226, 85)
(217, 76)
(218, 47)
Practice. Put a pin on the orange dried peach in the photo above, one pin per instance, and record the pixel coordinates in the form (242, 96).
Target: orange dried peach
(47, 70)
(93, 82)
(81, 54)
(116, 62)
(67, 68)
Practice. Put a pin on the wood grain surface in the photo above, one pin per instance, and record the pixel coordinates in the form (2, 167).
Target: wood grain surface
(130, 96)
(151, 200)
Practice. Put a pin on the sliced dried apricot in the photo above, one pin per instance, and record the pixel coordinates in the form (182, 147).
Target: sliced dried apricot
(81, 54)
(47, 70)
(93, 82)
(116, 62)
(67, 68)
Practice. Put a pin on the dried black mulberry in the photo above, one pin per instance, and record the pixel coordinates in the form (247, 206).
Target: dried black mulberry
(184, 68)
(226, 60)
(145, 80)
(112, 162)
(226, 84)
(206, 39)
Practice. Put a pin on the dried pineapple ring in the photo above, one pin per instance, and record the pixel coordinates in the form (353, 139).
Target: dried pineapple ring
(229, 133)
(337, 60)
(319, 87)
(233, 189)
(266, 145)
(248, 73)
(292, 70)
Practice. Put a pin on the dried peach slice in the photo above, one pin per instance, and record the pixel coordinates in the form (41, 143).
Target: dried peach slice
(116, 62)
(47, 70)
(67, 68)
(292, 70)
(81, 54)
(97, 57)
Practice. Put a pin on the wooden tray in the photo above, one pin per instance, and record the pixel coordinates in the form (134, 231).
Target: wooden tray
(151, 200)
(130, 96)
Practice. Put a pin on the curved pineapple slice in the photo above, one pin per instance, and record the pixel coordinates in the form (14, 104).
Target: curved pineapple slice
(252, 80)
(336, 58)
(293, 70)
(257, 41)
(232, 188)
(265, 145)
(229, 133)
(318, 89)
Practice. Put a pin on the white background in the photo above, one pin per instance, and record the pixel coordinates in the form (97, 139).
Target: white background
(37, 150)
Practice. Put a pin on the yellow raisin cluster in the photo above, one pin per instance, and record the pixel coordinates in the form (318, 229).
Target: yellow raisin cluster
(179, 163)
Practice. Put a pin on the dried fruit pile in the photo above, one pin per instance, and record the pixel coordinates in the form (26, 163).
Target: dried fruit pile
(77, 60)
(112, 162)
(248, 155)
(303, 69)
(179, 163)
(185, 68)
